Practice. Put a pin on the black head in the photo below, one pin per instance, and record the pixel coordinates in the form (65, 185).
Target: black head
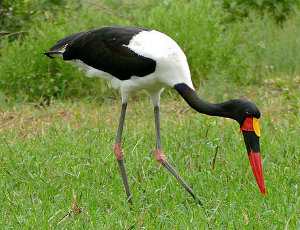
(239, 109)
(247, 115)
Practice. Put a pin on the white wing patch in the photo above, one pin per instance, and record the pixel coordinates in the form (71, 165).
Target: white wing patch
(154, 45)
(171, 63)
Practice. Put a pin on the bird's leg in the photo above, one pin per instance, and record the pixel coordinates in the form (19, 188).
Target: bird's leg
(161, 158)
(119, 153)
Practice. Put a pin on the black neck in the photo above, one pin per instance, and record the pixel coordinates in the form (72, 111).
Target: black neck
(190, 96)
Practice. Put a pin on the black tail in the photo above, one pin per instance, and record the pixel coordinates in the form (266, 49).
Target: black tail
(57, 49)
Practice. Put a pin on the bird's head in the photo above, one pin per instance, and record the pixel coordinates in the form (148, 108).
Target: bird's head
(247, 115)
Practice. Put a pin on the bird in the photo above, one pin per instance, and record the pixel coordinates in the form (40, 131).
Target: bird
(136, 58)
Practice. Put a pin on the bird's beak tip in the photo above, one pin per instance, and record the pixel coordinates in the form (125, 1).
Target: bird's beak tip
(256, 165)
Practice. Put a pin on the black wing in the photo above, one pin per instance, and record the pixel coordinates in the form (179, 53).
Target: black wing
(104, 49)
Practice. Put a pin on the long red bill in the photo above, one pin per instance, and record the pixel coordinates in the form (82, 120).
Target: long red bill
(251, 133)
(256, 165)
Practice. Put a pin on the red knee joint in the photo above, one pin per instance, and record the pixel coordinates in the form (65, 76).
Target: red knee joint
(118, 151)
(159, 155)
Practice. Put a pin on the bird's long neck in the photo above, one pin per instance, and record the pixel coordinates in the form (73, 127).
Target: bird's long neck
(190, 96)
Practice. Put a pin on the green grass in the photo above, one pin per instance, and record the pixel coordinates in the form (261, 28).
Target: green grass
(48, 155)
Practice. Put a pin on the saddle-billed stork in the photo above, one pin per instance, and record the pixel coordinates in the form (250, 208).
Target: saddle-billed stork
(135, 58)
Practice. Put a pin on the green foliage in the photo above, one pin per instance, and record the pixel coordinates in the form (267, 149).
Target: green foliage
(26, 73)
(244, 51)
(280, 9)
(15, 14)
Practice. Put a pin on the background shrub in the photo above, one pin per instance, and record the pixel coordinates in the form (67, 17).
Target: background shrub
(15, 14)
(279, 9)
(244, 51)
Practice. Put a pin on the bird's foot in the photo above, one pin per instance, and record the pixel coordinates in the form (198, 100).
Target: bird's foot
(160, 156)
(118, 151)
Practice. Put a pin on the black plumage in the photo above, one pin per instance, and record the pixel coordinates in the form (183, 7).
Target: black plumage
(105, 49)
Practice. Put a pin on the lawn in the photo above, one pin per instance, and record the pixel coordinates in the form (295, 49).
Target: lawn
(59, 157)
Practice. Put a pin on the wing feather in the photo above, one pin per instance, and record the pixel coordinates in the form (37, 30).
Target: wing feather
(105, 49)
